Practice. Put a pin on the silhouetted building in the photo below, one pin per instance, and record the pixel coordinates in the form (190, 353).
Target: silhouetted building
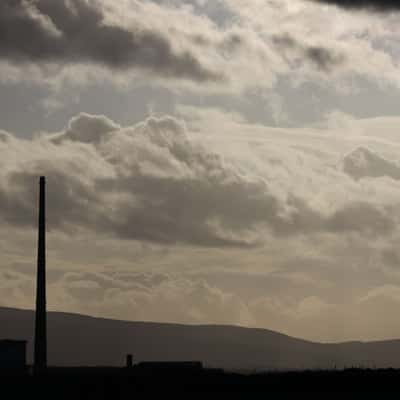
(12, 354)
(40, 356)
(171, 366)
(129, 361)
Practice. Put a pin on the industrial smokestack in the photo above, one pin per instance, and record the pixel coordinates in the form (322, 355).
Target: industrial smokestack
(40, 357)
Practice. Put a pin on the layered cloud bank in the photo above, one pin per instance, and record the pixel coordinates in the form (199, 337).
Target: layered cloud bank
(153, 182)
(146, 182)
(81, 40)
(175, 221)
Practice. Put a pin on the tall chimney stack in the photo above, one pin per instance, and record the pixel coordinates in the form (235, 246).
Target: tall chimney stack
(40, 357)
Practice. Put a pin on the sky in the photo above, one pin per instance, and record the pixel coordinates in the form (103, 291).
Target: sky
(207, 161)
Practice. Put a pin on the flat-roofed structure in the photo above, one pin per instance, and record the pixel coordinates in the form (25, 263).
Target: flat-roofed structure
(187, 365)
(171, 366)
(12, 354)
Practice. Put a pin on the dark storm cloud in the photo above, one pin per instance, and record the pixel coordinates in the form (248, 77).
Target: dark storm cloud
(376, 5)
(75, 31)
(324, 58)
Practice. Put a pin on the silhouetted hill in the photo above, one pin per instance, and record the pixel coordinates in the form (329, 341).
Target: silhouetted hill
(76, 340)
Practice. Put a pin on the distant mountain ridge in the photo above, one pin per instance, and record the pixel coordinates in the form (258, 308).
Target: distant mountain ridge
(77, 340)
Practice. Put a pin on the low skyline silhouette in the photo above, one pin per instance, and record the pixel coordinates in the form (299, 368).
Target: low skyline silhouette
(78, 340)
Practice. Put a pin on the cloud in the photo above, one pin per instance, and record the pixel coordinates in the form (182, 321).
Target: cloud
(355, 216)
(324, 58)
(146, 182)
(325, 39)
(129, 295)
(153, 182)
(376, 5)
(87, 128)
(16, 289)
(81, 41)
(143, 297)
(158, 297)
(78, 31)
(364, 163)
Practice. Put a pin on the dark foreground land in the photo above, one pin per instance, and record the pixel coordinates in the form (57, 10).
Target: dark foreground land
(115, 383)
